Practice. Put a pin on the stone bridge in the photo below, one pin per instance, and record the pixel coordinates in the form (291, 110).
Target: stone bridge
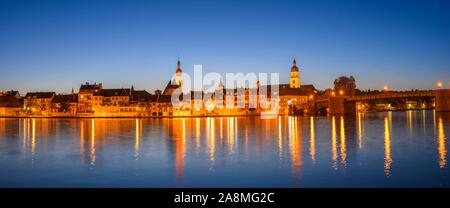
(347, 105)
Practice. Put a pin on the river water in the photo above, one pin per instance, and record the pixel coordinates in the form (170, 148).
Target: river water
(385, 149)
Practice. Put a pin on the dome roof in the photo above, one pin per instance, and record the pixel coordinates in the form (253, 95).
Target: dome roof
(294, 67)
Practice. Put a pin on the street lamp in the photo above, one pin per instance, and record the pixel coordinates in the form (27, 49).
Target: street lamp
(332, 93)
(385, 88)
(439, 84)
(341, 92)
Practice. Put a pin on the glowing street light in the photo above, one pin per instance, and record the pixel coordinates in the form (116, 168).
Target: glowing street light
(341, 92)
(385, 88)
(439, 84)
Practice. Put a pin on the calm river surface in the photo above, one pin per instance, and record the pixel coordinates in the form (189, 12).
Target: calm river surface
(387, 149)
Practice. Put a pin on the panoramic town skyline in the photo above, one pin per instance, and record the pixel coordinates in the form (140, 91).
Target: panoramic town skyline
(404, 45)
(225, 103)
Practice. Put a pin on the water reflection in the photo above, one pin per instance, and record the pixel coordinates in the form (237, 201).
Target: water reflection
(82, 141)
(409, 121)
(211, 132)
(360, 130)
(333, 143)
(28, 138)
(33, 140)
(441, 144)
(24, 135)
(312, 148)
(387, 148)
(295, 145)
(343, 143)
(137, 139)
(434, 121)
(236, 133)
(178, 128)
(185, 149)
(230, 125)
(424, 121)
(390, 119)
(280, 139)
(92, 142)
(197, 133)
(221, 129)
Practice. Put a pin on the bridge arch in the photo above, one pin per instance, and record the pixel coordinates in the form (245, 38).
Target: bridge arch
(321, 111)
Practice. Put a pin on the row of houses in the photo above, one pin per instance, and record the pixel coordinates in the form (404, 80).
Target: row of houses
(92, 100)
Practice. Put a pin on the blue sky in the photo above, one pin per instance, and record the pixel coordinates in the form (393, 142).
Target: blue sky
(56, 45)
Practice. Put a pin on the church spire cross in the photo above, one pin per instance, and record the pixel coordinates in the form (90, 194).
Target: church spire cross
(178, 66)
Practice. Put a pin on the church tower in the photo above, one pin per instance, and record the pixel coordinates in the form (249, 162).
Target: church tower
(294, 80)
(178, 74)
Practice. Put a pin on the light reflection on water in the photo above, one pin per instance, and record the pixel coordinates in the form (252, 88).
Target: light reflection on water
(333, 142)
(387, 149)
(441, 144)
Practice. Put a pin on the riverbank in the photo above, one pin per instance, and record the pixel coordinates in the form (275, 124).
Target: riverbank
(118, 117)
(204, 116)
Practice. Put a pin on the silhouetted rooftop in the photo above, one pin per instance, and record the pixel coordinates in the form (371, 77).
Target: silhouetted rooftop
(39, 95)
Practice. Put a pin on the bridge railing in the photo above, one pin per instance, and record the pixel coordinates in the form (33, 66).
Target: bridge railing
(393, 95)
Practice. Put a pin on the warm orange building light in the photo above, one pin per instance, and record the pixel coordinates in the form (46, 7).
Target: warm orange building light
(341, 92)
(385, 88)
(332, 93)
(439, 84)
(311, 97)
